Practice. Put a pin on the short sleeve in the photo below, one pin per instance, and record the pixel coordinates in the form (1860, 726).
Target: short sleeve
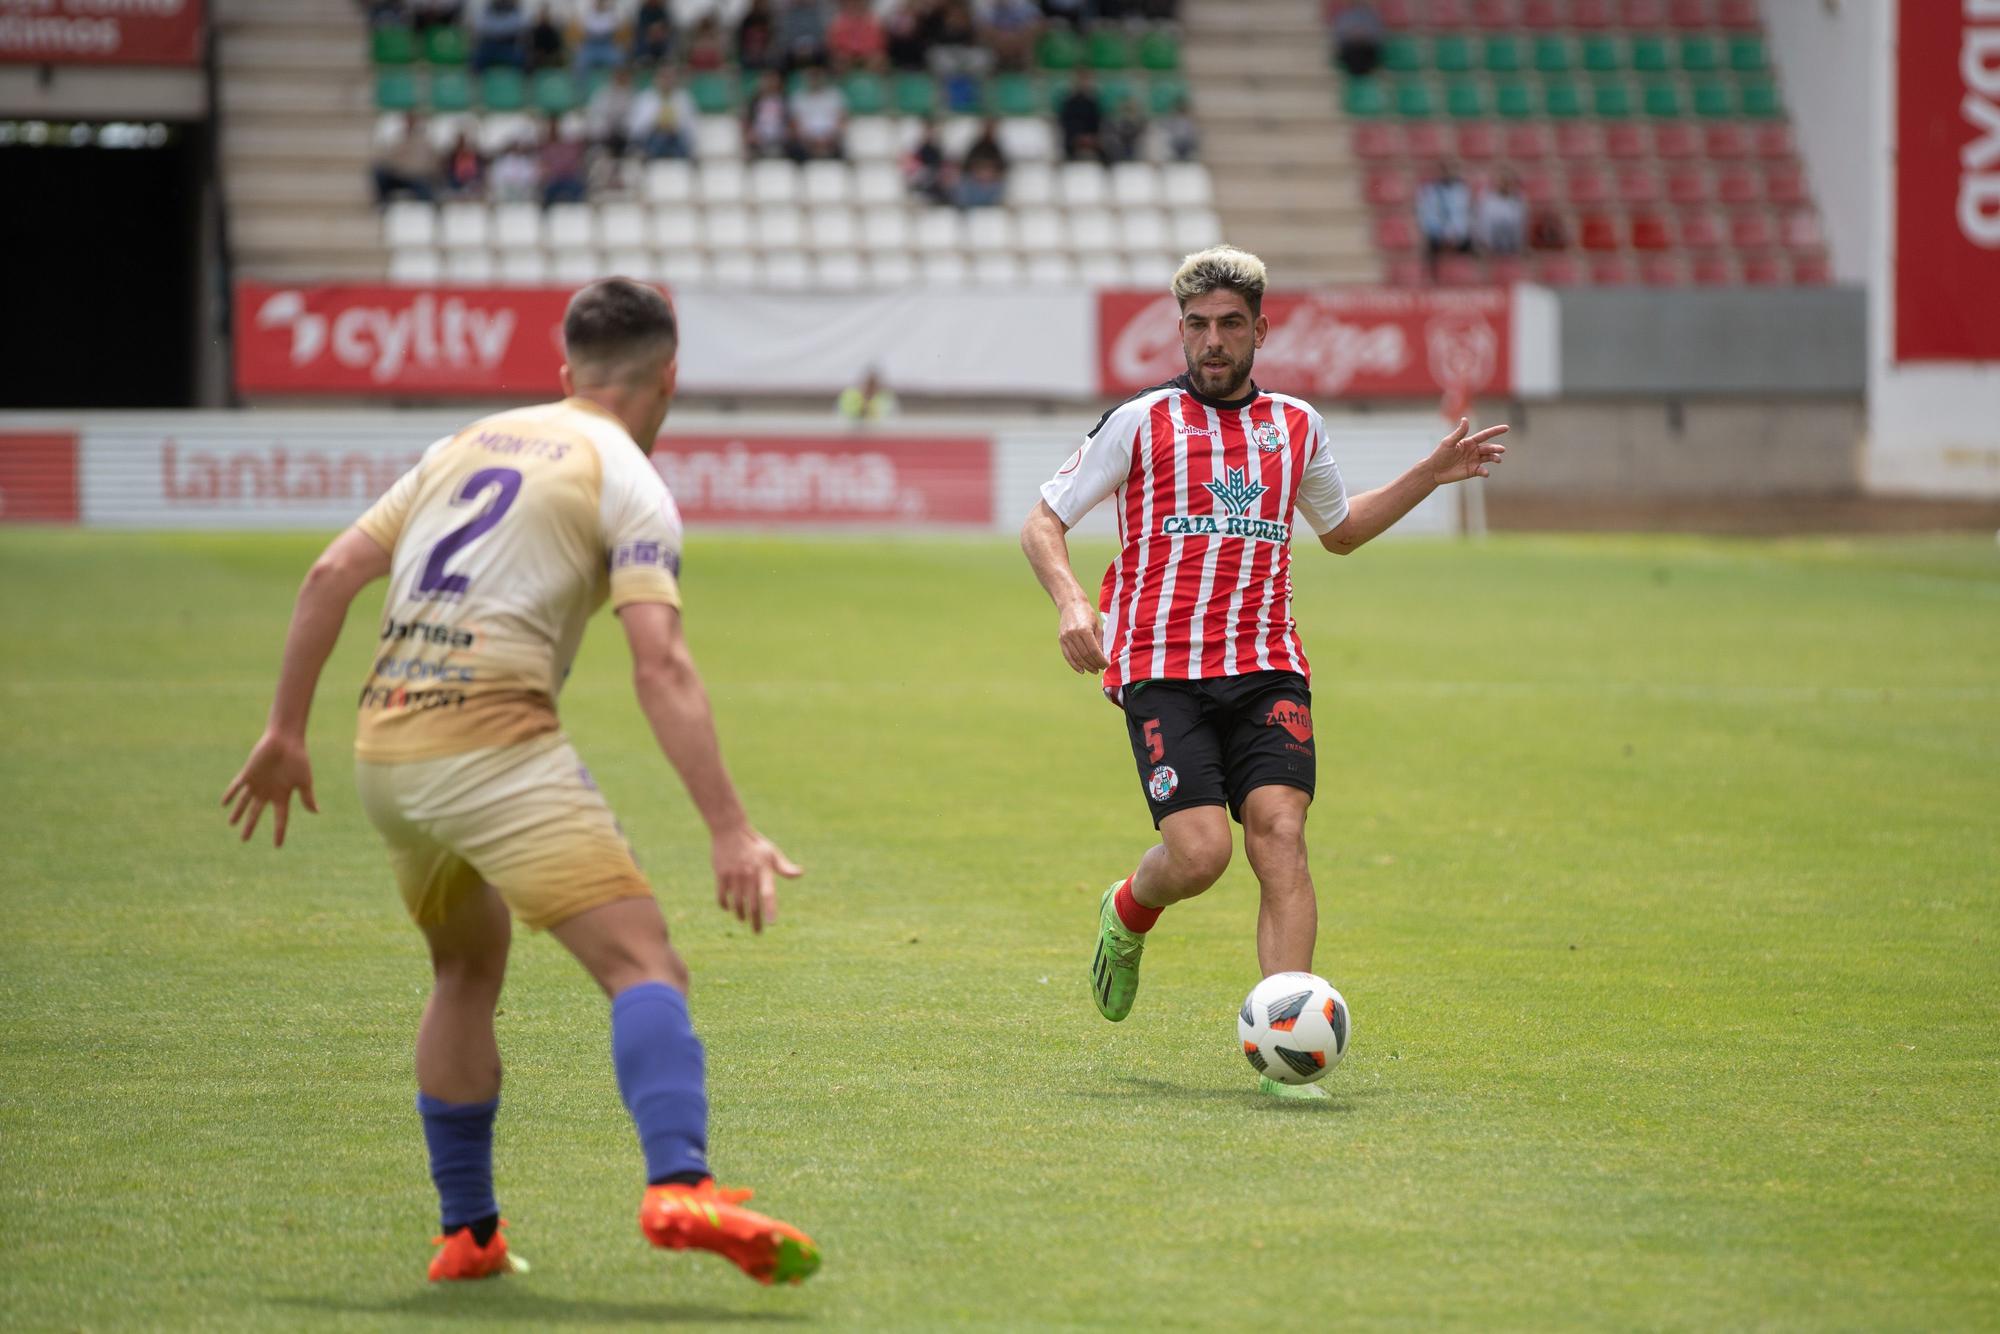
(642, 537)
(1322, 497)
(1100, 466)
(384, 520)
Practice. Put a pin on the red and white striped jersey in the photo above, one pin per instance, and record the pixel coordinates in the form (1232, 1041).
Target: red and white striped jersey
(1204, 492)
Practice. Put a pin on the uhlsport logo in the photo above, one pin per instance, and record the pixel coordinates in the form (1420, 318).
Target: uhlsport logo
(1235, 493)
(1163, 783)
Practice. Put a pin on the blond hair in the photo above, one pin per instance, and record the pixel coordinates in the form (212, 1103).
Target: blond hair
(1221, 267)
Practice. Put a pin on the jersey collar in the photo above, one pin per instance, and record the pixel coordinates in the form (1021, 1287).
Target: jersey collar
(1185, 382)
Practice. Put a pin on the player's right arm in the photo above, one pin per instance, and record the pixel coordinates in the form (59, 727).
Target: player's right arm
(1099, 467)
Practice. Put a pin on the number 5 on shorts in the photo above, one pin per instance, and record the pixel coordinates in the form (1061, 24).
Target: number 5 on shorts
(1156, 749)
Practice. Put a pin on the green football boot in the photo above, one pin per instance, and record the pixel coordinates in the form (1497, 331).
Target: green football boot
(1114, 972)
(1301, 1092)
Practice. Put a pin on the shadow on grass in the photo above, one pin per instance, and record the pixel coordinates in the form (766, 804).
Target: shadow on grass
(533, 1308)
(1139, 1086)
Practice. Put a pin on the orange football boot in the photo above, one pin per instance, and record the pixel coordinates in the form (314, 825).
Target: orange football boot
(708, 1217)
(460, 1257)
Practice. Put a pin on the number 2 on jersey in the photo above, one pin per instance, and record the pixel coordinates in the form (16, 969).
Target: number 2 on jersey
(436, 585)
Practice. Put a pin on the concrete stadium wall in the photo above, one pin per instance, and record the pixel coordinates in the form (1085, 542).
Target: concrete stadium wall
(1826, 56)
(1787, 341)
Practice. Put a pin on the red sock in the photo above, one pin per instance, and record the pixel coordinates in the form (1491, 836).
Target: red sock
(1135, 915)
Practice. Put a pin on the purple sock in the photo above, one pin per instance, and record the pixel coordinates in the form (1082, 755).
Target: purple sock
(460, 1137)
(659, 1063)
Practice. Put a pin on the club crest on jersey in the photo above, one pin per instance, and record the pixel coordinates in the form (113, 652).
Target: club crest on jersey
(1163, 783)
(1235, 493)
(1268, 438)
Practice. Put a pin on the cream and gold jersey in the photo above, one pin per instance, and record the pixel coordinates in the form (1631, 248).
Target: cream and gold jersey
(506, 537)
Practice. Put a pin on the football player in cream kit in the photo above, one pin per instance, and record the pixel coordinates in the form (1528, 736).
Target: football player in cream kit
(498, 546)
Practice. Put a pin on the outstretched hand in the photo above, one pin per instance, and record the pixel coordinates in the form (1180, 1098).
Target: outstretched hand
(277, 768)
(1460, 456)
(746, 869)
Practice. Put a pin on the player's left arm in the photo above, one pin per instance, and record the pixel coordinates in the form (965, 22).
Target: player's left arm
(1463, 454)
(278, 765)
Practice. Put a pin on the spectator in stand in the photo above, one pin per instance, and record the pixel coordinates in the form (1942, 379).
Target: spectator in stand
(1546, 230)
(706, 49)
(982, 179)
(387, 13)
(1500, 221)
(1124, 135)
(546, 41)
(767, 120)
(757, 37)
(496, 38)
(956, 51)
(855, 39)
(652, 33)
(911, 29)
(562, 166)
(599, 47)
(1072, 12)
(1178, 132)
(661, 121)
(1358, 35)
(869, 401)
(607, 116)
(464, 169)
(1009, 31)
(516, 175)
(1444, 215)
(407, 166)
(801, 34)
(428, 14)
(1082, 118)
(925, 170)
(819, 116)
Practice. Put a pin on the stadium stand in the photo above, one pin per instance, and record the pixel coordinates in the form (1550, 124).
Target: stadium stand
(1649, 138)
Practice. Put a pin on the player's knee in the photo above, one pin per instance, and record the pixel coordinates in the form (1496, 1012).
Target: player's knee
(1276, 830)
(1200, 862)
(469, 972)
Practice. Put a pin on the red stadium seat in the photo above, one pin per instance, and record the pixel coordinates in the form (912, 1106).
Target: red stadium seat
(1579, 140)
(1406, 272)
(1624, 140)
(1506, 270)
(1649, 232)
(1448, 14)
(1713, 271)
(1588, 185)
(1639, 185)
(1738, 14)
(1590, 13)
(1801, 230)
(1688, 185)
(1478, 142)
(1763, 270)
(1425, 140)
(1785, 184)
(1558, 271)
(1676, 140)
(1375, 141)
(1738, 185)
(1727, 141)
(1460, 271)
(1688, 13)
(1702, 230)
(1610, 271)
(1541, 14)
(1773, 140)
(1389, 187)
(1660, 271)
(1811, 270)
(1598, 232)
(1493, 13)
(1527, 143)
(1396, 231)
(1538, 185)
(1643, 13)
(1395, 13)
(1752, 230)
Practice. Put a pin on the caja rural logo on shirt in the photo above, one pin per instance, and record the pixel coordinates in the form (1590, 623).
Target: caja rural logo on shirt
(1235, 493)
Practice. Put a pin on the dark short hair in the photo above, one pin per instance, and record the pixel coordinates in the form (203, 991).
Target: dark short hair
(615, 319)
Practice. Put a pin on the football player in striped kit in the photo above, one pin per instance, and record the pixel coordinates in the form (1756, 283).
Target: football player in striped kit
(1192, 628)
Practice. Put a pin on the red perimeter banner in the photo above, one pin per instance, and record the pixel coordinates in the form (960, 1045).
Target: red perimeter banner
(871, 480)
(1948, 181)
(1359, 343)
(100, 32)
(38, 477)
(386, 341)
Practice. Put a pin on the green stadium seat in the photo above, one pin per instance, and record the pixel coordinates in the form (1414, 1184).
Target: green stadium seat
(1059, 48)
(555, 92)
(1502, 56)
(1760, 99)
(1110, 48)
(1166, 93)
(1600, 55)
(1513, 101)
(1402, 55)
(916, 94)
(1698, 55)
(714, 93)
(1712, 100)
(868, 95)
(1413, 99)
(503, 89)
(596, 77)
(1663, 101)
(445, 45)
(1746, 55)
(1366, 99)
(1452, 55)
(395, 46)
(395, 90)
(451, 90)
(1462, 100)
(1562, 100)
(1160, 51)
(1551, 55)
(1649, 55)
(1113, 89)
(1612, 100)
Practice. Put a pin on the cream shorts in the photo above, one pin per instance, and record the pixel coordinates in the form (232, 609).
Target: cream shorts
(525, 818)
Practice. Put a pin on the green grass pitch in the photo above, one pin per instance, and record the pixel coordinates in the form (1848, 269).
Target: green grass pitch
(1663, 877)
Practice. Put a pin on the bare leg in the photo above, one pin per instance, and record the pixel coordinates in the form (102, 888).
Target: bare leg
(1192, 854)
(623, 943)
(1274, 838)
(458, 1057)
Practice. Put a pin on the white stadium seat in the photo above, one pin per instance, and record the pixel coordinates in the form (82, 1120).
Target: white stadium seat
(787, 269)
(1102, 271)
(956, 135)
(895, 269)
(989, 229)
(839, 270)
(778, 227)
(728, 228)
(737, 268)
(669, 181)
(676, 228)
(469, 266)
(1042, 230)
(940, 229)
(1135, 185)
(523, 268)
(871, 139)
(997, 271)
(1028, 139)
(415, 267)
(878, 183)
(1187, 185)
(571, 226)
(408, 222)
(1152, 270)
(464, 226)
(718, 137)
(773, 182)
(1051, 270)
(833, 229)
(1196, 228)
(637, 264)
(1144, 229)
(1031, 185)
(828, 183)
(502, 130)
(621, 226)
(1083, 184)
(517, 226)
(945, 270)
(684, 266)
(1092, 231)
(885, 228)
(721, 183)
(577, 266)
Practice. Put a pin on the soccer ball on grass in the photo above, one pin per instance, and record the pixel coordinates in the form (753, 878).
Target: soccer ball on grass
(1294, 1027)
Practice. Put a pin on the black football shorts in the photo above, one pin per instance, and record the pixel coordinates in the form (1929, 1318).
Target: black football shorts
(1210, 743)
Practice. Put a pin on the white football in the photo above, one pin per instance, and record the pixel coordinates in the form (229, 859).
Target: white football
(1294, 1027)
